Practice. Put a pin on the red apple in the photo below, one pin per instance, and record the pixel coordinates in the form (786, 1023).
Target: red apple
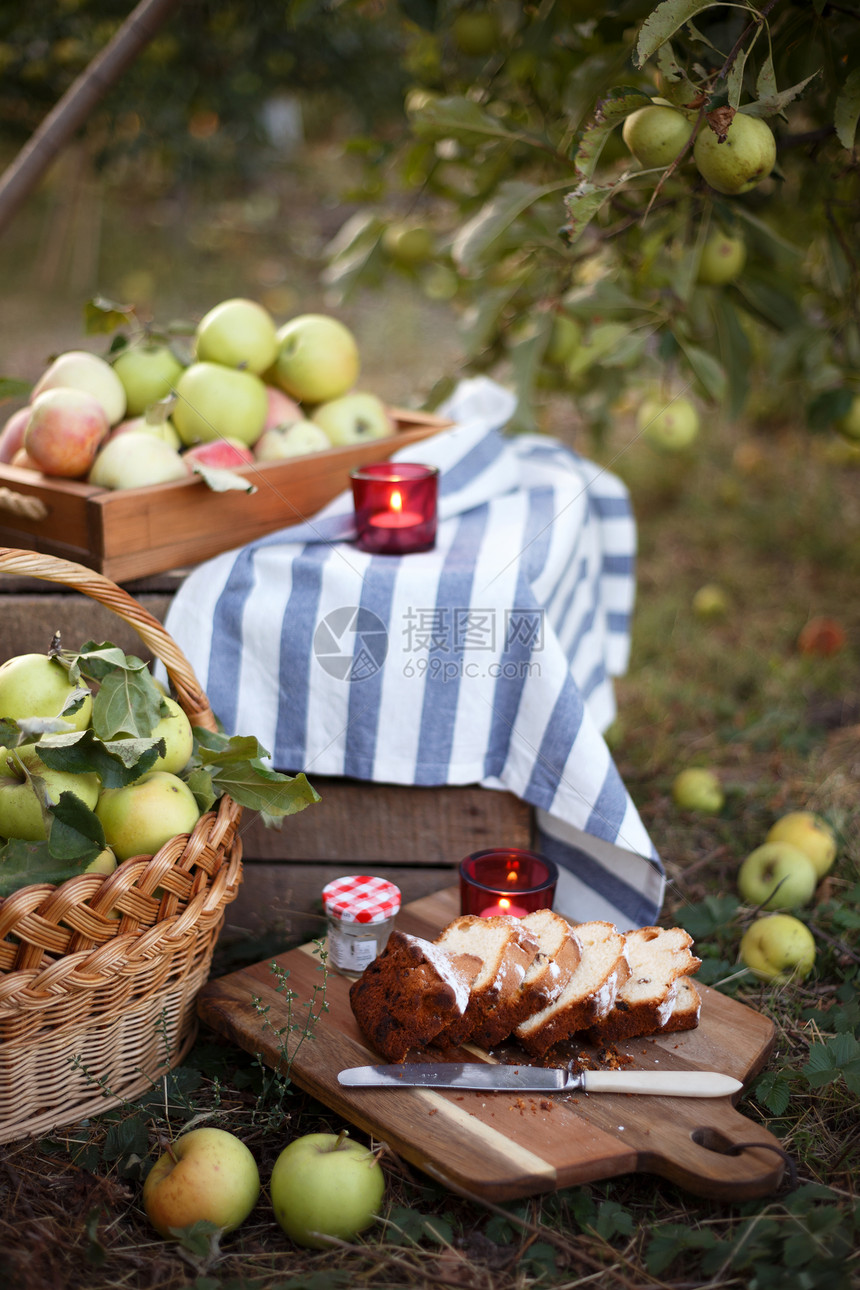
(220, 454)
(283, 410)
(12, 434)
(64, 431)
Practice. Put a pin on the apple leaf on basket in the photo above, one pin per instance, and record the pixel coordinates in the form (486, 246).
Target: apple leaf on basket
(116, 762)
(23, 864)
(235, 766)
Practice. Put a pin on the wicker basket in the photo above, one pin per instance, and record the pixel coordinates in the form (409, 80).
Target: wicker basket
(94, 1008)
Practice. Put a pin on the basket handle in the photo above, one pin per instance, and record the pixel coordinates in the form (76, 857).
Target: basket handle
(33, 564)
(29, 508)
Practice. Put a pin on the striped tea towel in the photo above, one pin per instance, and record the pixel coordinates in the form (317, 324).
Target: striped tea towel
(488, 660)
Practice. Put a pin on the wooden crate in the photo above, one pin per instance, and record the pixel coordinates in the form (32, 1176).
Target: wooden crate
(140, 531)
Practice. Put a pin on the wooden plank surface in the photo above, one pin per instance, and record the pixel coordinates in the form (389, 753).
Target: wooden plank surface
(503, 1146)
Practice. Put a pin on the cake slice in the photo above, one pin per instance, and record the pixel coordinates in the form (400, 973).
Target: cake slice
(685, 1010)
(551, 968)
(589, 994)
(410, 992)
(506, 949)
(657, 957)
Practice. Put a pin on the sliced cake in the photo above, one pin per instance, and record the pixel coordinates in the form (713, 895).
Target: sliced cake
(589, 994)
(506, 949)
(685, 1010)
(657, 958)
(410, 992)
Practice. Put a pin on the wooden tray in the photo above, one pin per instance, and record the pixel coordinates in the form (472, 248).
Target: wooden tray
(502, 1146)
(136, 532)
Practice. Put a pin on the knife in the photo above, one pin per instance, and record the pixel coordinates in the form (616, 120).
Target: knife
(538, 1079)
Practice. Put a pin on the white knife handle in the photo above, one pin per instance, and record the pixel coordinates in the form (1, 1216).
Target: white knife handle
(666, 1083)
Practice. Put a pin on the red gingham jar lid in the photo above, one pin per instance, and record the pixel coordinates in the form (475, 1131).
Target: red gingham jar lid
(361, 899)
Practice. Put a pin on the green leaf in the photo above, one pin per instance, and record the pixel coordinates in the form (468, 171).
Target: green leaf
(102, 316)
(96, 661)
(709, 916)
(598, 299)
(735, 78)
(127, 703)
(200, 783)
(269, 791)
(676, 87)
(12, 388)
(847, 109)
(76, 831)
(582, 205)
(672, 1239)
(613, 1220)
(223, 481)
(774, 1091)
(458, 118)
(23, 864)
(837, 1058)
(735, 351)
(481, 324)
(774, 103)
(611, 111)
(526, 355)
(116, 762)
(827, 407)
(130, 1136)
(494, 219)
(663, 23)
(708, 371)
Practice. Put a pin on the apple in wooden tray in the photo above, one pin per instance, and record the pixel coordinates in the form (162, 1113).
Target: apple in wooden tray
(64, 431)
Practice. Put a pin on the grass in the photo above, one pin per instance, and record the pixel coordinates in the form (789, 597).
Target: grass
(772, 516)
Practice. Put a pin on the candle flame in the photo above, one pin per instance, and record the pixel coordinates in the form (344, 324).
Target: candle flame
(396, 500)
(504, 903)
(513, 877)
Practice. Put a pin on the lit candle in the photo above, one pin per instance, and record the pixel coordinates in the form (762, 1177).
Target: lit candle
(395, 507)
(504, 906)
(396, 517)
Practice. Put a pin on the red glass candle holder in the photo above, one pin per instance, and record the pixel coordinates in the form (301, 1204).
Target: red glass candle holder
(395, 507)
(506, 880)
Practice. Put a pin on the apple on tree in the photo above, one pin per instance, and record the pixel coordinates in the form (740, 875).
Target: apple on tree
(217, 402)
(317, 359)
(810, 834)
(140, 817)
(408, 244)
(354, 418)
(207, 1175)
(78, 369)
(777, 875)
(564, 338)
(237, 333)
(656, 134)
(326, 1185)
(722, 259)
(148, 372)
(64, 431)
(736, 161)
(778, 948)
(669, 425)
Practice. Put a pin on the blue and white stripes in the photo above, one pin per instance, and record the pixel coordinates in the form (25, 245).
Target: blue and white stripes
(487, 660)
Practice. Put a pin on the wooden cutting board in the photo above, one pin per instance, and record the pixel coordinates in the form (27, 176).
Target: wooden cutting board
(501, 1145)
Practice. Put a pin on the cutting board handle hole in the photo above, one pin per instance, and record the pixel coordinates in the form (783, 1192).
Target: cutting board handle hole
(712, 1140)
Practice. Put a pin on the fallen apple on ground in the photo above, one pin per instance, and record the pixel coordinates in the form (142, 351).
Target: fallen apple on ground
(207, 1175)
(810, 834)
(777, 875)
(698, 789)
(778, 948)
(326, 1185)
(710, 601)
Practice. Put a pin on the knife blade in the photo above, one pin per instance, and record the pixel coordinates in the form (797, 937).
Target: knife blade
(493, 1077)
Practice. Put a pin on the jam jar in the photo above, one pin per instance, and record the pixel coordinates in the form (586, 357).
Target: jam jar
(360, 911)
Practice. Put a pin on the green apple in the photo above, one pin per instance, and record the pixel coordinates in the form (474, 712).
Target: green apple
(408, 244)
(722, 259)
(710, 601)
(37, 685)
(317, 358)
(148, 372)
(476, 32)
(655, 134)
(139, 818)
(162, 429)
(564, 339)
(78, 369)
(849, 424)
(743, 159)
(105, 862)
(237, 333)
(21, 814)
(214, 401)
(778, 948)
(136, 459)
(175, 729)
(354, 418)
(671, 426)
(293, 440)
(207, 1175)
(810, 834)
(777, 875)
(698, 789)
(325, 1185)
